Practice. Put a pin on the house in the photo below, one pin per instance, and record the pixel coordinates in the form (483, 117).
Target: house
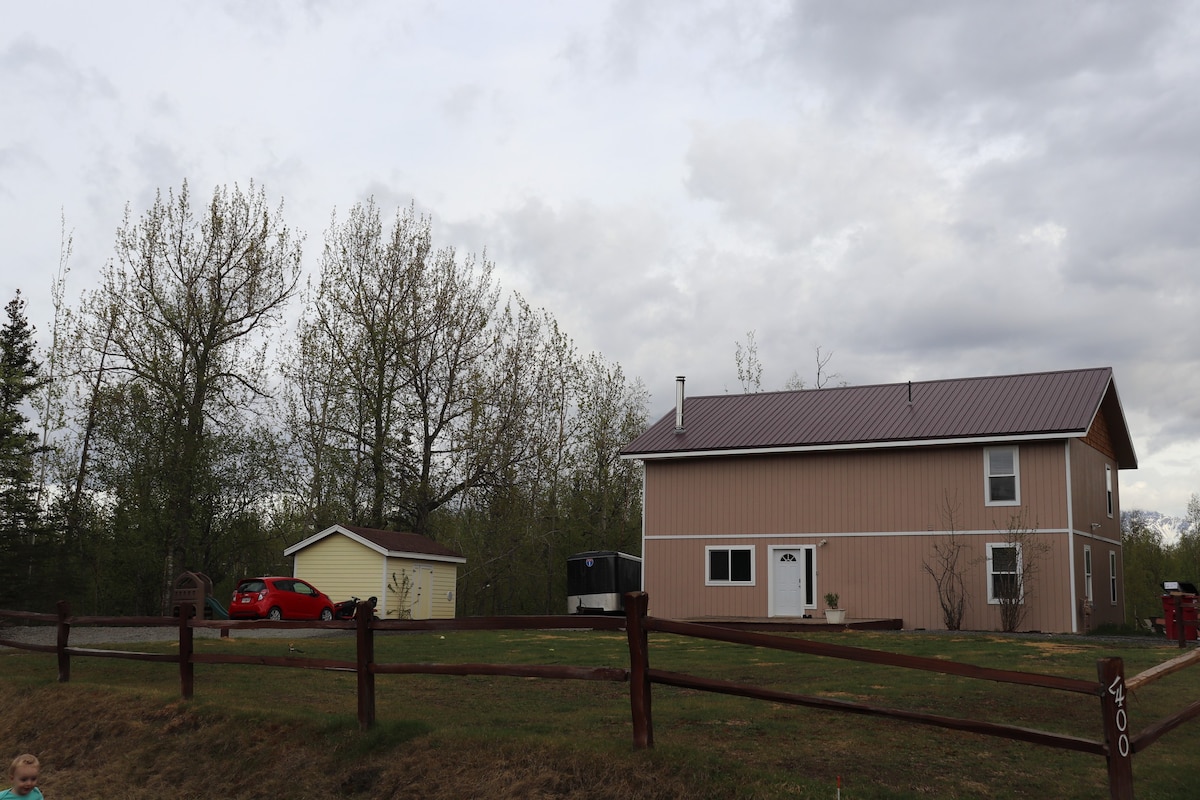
(756, 505)
(413, 576)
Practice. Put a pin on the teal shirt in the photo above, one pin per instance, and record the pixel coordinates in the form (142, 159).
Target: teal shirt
(8, 794)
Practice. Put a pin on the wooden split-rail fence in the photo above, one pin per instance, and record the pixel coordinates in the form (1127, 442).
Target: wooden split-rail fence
(1111, 688)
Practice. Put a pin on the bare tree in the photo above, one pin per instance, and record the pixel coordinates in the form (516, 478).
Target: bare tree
(948, 564)
(823, 378)
(749, 368)
(49, 402)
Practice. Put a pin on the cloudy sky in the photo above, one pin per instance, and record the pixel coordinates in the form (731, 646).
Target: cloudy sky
(924, 190)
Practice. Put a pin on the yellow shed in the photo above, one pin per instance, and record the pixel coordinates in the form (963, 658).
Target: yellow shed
(413, 576)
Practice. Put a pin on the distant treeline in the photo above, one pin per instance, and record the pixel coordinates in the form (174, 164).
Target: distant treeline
(202, 409)
(1150, 560)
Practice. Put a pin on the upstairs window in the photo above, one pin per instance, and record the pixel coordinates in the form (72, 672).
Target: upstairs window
(729, 566)
(1002, 477)
(1108, 483)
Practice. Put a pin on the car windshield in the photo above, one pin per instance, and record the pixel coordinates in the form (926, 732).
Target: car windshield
(251, 586)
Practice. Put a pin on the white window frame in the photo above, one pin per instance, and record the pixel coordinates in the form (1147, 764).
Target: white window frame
(987, 476)
(729, 549)
(1087, 572)
(991, 572)
(1108, 488)
(1112, 576)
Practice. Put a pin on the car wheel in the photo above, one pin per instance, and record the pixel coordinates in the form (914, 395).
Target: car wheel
(275, 614)
(326, 614)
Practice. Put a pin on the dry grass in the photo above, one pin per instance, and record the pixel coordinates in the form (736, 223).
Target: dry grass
(97, 743)
(254, 732)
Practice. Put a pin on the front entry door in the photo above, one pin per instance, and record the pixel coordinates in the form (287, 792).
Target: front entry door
(787, 581)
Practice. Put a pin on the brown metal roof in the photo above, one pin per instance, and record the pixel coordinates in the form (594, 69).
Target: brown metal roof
(1036, 405)
(402, 542)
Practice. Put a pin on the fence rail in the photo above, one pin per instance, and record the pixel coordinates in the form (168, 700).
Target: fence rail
(1117, 744)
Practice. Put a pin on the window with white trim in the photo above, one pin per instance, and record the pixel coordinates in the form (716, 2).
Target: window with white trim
(1004, 572)
(1112, 576)
(729, 566)
(1108, 488)
(1087, 573)
(1001, 476)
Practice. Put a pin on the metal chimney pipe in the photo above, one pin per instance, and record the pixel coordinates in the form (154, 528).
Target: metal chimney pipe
(679, 404)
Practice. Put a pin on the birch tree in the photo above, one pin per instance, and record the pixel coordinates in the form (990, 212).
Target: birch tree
(179, 324)
(347, 397)
(428, 387)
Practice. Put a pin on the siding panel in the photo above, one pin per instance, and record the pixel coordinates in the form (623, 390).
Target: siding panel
(402, 601)
(874, 575)
(341, 568)
(879, 513)
(846, 492)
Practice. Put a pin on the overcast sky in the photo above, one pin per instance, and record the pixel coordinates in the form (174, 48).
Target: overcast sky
(925, 190)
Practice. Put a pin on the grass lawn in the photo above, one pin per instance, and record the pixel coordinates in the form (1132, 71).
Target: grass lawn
(292, 732)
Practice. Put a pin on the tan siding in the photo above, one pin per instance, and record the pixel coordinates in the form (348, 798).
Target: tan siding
(1090, 503)
(876, 576)
(855, 501)
(341, 568)
(1088, 494)
(846, 492)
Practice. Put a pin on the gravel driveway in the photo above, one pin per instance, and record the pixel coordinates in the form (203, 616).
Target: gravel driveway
(83, 636)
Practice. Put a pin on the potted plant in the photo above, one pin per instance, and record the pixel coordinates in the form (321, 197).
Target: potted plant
(833, 614)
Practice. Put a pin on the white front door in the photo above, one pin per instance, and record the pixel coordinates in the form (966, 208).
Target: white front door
(787, 582)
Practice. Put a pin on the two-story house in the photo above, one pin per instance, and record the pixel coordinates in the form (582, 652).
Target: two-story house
(756, 505)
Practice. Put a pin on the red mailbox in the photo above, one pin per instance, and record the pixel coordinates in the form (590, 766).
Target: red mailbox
(1179, 610)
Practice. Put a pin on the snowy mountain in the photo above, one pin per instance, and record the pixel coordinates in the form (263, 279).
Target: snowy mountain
(1169, 527)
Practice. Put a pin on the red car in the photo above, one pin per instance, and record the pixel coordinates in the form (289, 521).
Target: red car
(279, 598)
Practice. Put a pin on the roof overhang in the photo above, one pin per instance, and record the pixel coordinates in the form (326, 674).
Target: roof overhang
(349, 534)
(851, 446)
(1122, 442)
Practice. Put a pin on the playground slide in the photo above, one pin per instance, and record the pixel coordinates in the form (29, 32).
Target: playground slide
(218, 611)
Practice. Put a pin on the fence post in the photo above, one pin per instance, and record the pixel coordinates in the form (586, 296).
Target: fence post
(64, 634)
(365, 649)
(187, 669)
(636, 604)
(1116, 728)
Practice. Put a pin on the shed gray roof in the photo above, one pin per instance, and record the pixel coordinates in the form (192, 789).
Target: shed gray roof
(999, 408)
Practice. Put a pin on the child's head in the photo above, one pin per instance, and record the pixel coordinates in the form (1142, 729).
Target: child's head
(24, 774)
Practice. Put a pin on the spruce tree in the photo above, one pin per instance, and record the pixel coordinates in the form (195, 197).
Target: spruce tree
(18, 446)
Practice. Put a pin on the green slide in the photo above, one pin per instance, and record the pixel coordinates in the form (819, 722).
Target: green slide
(215, 609)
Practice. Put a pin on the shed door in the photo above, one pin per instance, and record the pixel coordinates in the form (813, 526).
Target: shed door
(787, 582)
(422, 599)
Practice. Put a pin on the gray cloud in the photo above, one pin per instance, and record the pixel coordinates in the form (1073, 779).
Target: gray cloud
(924, 189)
